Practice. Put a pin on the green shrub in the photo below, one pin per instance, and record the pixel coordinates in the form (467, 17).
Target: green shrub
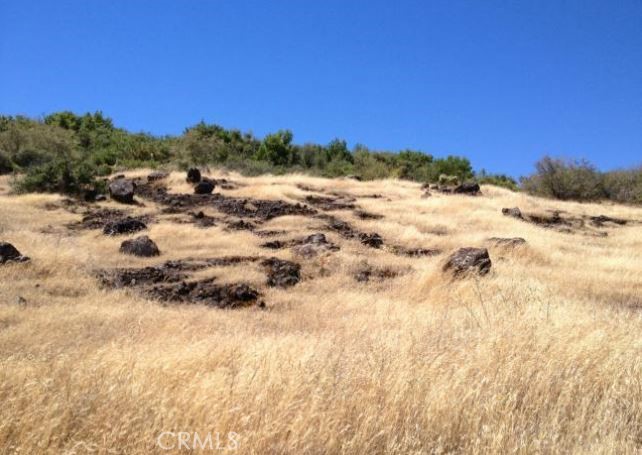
(564, 179)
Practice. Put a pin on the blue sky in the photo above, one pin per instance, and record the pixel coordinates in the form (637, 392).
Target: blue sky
(501, 82)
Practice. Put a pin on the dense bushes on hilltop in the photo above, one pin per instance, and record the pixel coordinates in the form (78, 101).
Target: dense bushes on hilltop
(67, 152)
(581, 181)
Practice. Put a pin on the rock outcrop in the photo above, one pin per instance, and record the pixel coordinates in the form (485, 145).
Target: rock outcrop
(468, 260)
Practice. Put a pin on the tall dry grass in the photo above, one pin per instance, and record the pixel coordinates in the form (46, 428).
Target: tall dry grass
(541, 356)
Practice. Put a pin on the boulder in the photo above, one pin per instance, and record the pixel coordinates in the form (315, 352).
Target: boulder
(205, 186)
(126, 225)
(470, 188)
(468, 260)
(193, 175)
(122, 190)
(514, 212)
(9, 253)
(140, 246)
(157, 175)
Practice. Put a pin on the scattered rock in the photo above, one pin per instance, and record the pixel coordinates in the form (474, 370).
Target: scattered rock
(600, 220)
(274, 244)
(157, 175)
(314, 245)
(258, 208)
(97, 218)
(100, 198)
(206, 292)
(354, 177)
(193, 175)
(122, 190)
(415, 252)
(508, 242)
(281, 273)
(140, 246)
(9, 253)
(470, 188)
(373, 240)
(269, 233)
(331, 203)
(240, 225)
(365, 273)
(202, 220)
(467, 260)
(345, 230)
(126, 225)
(363, 215)
(204, 187)
(169, 282)
(514, 212)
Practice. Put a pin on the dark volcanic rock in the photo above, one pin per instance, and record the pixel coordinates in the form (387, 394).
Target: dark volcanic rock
(157, 175)
(169, 282)
(600, 220)
(415, 252)
(258, 208)
(140, 246)
(240, 225)
(193, 175)
(314, 245)
(470, 188)
(467, 260)
(122, 190)
(514, 212)
(508, 242)
(281, 273)
(204, 187)
(330, 203)
(274, 244)
(363, 215)
(124, 226)
(206, 292)
(373, 240)
(365, 273)
(9, 253)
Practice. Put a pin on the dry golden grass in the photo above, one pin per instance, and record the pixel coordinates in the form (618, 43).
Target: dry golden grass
(542, 355)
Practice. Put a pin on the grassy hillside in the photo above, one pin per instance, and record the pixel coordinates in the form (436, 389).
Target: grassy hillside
(540, 355)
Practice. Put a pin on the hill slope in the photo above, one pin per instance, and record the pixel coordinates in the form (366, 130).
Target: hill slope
(373, 350)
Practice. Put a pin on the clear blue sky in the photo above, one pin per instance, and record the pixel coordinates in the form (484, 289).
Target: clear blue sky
(501, 82)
